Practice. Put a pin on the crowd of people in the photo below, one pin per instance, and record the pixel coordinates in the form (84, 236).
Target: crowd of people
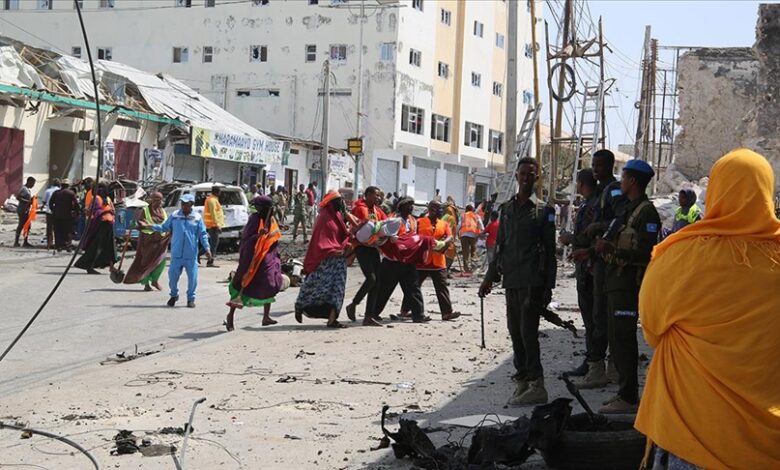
(688, 283)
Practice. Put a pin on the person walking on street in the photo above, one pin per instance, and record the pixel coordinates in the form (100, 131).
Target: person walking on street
(579, 241)
(688, 212)
(258, 277)
(436, 267)
(470, 228)
(149, 262)
(55, 186)
(610, 204)
(488, 208)
(214, 219)
(491, 236)
(25, 201)
(452, 217)
(626, 247)
(311, 198)
(365, 210)
(187, 231)
(98, 243)
(64, 207)
(300, 203)
(526, 265)
(393, 272)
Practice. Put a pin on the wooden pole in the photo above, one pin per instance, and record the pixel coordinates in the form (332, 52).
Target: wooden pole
(556, 145)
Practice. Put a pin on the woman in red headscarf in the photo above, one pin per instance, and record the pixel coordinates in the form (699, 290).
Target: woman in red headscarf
(325, 265)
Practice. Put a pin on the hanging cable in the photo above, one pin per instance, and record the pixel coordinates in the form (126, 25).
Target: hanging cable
(53, 436)
(94, 187)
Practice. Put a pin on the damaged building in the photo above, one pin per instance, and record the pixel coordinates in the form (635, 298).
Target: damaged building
(154, 127)
(729, 98)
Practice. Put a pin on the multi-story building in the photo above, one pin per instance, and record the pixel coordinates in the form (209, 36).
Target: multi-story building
(433, 76)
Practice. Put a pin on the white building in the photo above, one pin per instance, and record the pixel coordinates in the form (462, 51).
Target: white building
(434, 73)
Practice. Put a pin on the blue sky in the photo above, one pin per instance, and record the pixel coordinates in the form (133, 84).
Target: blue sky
(674, 23)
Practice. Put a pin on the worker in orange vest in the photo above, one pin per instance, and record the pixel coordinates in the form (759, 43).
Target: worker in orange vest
(214, 219)
(436, 268)
(470, 228)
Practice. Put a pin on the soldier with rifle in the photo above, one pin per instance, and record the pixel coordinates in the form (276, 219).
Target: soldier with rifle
(525, 263)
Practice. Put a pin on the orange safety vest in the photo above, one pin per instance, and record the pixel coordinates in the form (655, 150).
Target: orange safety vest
(439, 232)
(469, 224)
(412, 223)
(208, 219)
(109, 213)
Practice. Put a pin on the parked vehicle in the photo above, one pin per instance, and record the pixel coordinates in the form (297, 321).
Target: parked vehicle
(234, 206)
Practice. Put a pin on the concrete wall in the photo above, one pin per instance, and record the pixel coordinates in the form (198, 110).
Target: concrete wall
(717, 99)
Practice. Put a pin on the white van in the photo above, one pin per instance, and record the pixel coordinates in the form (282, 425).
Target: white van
(234, 206)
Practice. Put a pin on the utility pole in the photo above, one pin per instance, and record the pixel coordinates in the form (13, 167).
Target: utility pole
(555, 139)
(640, 125)
(603, 139)
(648, 132)
(537, 130)
(660, 143)
(511, 88)
(325, 123)
(359, 95)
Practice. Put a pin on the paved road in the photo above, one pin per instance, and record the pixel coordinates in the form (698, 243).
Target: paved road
(90, 319)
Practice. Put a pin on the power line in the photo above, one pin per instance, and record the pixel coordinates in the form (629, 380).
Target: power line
(113, 9)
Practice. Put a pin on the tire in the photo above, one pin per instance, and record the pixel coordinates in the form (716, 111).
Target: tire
(605, 450)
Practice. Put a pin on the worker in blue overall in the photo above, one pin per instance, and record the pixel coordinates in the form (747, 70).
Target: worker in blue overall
(187, 229)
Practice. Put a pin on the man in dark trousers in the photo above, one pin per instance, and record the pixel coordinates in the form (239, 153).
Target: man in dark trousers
(64, 208)
(610, 203)
(367, 209)
(578, 240)
(626, 247)
(393, 272)
(24, 196)
(525, 263)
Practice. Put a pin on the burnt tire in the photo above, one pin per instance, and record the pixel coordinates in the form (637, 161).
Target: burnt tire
(618, 449)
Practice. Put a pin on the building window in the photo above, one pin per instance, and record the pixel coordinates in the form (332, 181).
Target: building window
(529, 51)
(528, 97)
(105, 53)
(211, 3)
(479, 29)
(338, 52)
(440, 128)
(415, 57)
(417, 4)
(183, 3)
(496, 142)
(181, 55)
(311, 52)
(258, 3)
(258, 53)
(446, 17)
(45, 4)
(314, 2)
(473, 135)
(106, 4)
(444, 70)
(500, 40)
(80, 4)
(498, 88)
(10, 4)
(75, 51)
(208, 54)
(258, 93)
(476, 79)
(412, 119)
(528, 5)
(387, 52)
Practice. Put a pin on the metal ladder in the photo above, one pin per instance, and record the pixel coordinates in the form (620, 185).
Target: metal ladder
(505, 182)
(588, 136)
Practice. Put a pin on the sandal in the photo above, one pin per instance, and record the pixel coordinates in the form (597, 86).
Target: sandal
(336, 324)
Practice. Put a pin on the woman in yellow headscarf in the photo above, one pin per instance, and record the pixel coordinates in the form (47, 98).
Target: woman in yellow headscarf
(709, 305)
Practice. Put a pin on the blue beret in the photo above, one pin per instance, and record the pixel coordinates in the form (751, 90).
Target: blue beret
(639, 165)
(187, 198)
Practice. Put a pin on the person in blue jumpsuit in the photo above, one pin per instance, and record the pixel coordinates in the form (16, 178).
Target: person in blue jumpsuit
(187, 229)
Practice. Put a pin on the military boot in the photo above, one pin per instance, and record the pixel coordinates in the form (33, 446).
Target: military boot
(536, 394)
(595, 378)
